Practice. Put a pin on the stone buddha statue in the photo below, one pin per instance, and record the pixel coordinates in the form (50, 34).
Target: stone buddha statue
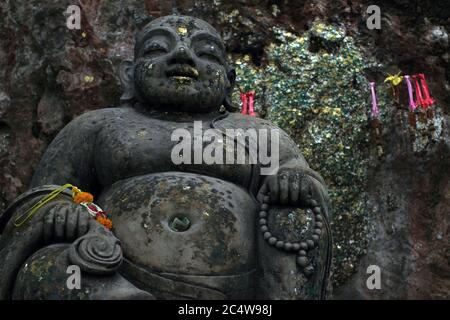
(180, 230)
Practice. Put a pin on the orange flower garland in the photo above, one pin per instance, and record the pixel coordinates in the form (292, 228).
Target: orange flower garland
(87, 200)
(84, 198)
(97, 213)
(105, 221)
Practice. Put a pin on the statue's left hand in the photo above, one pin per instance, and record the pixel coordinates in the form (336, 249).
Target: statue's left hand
(65, 221)
(288, 187)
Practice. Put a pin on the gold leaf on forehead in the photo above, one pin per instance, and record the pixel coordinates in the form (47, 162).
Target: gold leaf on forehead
(182, 30)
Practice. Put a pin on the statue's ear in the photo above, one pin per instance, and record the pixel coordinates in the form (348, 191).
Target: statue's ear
(126, 74)
(228, 104)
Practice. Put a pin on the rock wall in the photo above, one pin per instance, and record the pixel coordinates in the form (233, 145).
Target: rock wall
(309, 62)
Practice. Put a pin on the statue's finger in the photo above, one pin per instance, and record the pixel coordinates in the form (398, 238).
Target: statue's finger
(60, 223)
(283, 179)
(48, 225)
(273, 188)
(305, 188)
(83, 222)
(71, 223)
(262, 192)
(294, 187)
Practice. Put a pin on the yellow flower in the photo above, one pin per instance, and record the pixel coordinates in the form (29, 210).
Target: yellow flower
(394, 79)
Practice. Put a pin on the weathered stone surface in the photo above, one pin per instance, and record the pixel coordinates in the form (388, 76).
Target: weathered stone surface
(50, 74)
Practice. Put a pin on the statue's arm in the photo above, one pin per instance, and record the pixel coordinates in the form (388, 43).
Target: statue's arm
(70, 156)
(294, 181)
(295, 185)
(62, 233)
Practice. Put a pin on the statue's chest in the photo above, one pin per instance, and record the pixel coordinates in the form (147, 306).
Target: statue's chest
(128, 147)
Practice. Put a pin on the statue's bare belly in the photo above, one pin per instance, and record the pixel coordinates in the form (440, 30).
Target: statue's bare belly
(184, 224)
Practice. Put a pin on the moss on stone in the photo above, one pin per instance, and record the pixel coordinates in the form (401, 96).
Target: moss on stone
(320, 97)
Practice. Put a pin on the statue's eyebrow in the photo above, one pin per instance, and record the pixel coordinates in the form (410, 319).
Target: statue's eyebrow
(208, 36)
(157, 32)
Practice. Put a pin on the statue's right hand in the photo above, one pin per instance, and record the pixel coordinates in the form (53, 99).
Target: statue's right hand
(65, 222)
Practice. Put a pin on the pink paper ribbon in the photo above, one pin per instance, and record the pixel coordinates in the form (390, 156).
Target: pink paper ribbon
(375, 111)
(412, 105)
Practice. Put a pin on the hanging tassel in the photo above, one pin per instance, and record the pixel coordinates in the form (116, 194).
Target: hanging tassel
(248, 102)
(412, 105)
(244, 103)
(427, 101)
(419, 99)
(251, 100)
(375, 111)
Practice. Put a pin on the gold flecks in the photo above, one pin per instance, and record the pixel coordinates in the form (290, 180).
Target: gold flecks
(182, 30)
(142, 133)
(88, 78)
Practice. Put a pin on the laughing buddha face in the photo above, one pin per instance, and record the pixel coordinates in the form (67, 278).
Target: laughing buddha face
(180, 65)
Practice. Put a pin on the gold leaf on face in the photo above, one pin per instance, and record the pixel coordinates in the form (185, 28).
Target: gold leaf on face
(182, 30)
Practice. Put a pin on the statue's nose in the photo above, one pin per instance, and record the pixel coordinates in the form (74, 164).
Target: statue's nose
(182, 55)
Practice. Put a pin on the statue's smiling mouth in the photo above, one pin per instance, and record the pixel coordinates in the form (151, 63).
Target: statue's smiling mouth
(182, 73)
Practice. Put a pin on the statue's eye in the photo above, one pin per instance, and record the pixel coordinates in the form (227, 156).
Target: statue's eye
(209, 54)
(155, 49)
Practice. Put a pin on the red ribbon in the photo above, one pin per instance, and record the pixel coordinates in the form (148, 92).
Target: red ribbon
(428, 101)
(244, 103)
(248, 100)
(419, 98)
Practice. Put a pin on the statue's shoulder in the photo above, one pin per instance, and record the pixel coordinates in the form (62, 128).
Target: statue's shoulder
(103, 114)
(241, 121)
(288, 147)
(89, 122)
(96, 118)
